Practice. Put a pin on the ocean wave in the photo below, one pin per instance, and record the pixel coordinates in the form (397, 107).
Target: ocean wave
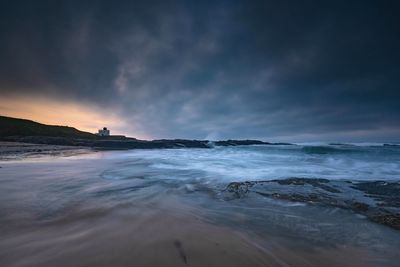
(264, 162)
(329, 149)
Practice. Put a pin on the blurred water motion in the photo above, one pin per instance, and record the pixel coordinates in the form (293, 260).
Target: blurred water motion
(164, 208)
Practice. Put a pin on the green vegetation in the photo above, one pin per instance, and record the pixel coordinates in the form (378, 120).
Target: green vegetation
(12, 127)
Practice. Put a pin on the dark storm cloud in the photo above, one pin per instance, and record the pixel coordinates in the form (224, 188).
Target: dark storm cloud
(226, 69)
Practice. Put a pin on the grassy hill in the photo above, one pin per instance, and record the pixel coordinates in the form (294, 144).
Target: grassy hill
(27, 131)
(12, 127)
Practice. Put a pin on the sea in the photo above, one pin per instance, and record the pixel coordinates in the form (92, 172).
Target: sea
(165, 207)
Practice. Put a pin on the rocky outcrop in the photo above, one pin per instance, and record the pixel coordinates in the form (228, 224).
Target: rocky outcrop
(128, 143)
(26, 131)
(378, 201)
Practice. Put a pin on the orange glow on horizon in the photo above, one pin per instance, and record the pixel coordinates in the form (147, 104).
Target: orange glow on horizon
(67, 113)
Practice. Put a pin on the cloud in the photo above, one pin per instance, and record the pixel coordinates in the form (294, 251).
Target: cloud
(83, 116)
(295, 71)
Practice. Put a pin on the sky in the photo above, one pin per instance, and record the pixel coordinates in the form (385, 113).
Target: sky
(297, 71)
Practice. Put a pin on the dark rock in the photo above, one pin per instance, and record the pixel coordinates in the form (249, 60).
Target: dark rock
(237, 190)
(359, 197)
(386, 192)
(321, 183)
(282, 144)
(296, 197)
(240, 142)
(358, 206)
(321, 150)
(392, 145)
(392, 220)
(301, 181)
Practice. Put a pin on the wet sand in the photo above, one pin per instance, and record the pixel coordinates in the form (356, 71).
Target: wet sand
(131, 236)
(18, 150)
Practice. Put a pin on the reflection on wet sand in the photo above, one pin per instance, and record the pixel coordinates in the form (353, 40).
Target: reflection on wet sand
(160, 236)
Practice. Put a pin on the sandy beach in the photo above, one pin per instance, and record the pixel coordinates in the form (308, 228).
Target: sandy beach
(18, 150)
(159, 236)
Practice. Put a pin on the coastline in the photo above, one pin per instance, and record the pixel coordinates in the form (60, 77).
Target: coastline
(18, 150)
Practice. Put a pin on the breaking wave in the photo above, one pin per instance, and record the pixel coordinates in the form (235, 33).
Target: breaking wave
(267, 162)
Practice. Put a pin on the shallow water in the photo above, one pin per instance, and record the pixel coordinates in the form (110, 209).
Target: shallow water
(353, 162)
(164, 208)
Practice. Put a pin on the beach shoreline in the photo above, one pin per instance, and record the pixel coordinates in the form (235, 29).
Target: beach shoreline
(18, 150)
(166, 233)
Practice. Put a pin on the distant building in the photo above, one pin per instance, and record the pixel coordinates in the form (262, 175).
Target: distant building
(104, 132)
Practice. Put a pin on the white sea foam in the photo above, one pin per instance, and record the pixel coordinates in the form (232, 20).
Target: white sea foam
(271, 162)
